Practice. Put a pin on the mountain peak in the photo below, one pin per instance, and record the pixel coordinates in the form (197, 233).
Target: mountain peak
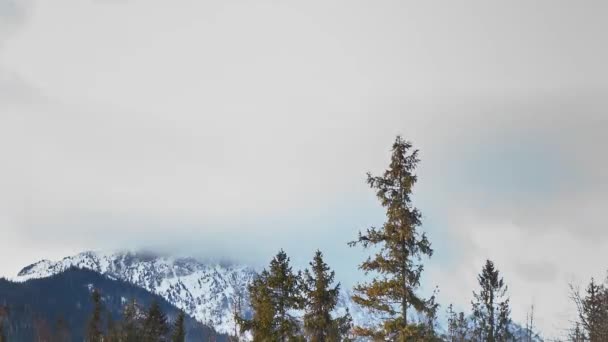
(204, 290)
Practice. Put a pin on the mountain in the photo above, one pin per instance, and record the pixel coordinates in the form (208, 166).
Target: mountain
(36, 306)
(206, 291)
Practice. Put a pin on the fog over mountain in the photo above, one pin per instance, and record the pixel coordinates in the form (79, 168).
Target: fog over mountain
(228, 130)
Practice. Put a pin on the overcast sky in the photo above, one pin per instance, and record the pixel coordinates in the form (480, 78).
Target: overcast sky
(230, 129)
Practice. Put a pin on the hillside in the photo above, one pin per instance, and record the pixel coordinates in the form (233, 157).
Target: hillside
(35, 306)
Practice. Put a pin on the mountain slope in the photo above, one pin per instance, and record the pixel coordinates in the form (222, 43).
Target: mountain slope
(205, 291)
(35, 306)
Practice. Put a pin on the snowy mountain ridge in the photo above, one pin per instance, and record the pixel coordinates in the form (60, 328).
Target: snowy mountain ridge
(206, 291)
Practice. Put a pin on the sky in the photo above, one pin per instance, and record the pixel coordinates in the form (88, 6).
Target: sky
(230, 129)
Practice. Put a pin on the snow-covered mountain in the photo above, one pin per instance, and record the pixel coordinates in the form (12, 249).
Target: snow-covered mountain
(206, 291)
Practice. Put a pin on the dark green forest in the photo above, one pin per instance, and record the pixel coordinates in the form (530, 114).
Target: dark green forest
(82, 305)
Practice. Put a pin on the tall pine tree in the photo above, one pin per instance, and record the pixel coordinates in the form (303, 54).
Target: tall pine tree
(491, 312)
(321, 299)
(399, 247)
(94, 327)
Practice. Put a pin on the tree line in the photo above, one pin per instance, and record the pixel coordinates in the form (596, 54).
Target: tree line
(398, 246)
(300, 306)
(135, 325)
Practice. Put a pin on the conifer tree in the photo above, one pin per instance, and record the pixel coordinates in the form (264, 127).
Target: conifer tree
(155, 325)
(237, 303)
(399, 247)
(593, 311)
(285, 288)
(430, 313)
(261, 324)
(530, 324)
(321, 299)
(131, 325)
(577, 334)
(458, 326)
(273, 294)
(491, 310)
(94, 328)
(179, 331)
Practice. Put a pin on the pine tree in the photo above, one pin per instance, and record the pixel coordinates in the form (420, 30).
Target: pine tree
(530, 324)
(261, 324)
(458, 326)
(94, 328)
(155, 325)
(593, 311)
(321, 299)
(284, 285)
(400, 247)
(131, 330)
(273, 294)
(430, 313)
(179, 331)
(237, 303)
(577, 334)
(491, 310)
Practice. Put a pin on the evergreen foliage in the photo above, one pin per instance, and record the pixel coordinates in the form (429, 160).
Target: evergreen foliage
(155, 326)
(458, 329)
(273, 294)
(38, 308)
(131, 325)
(592, 309)
(94, 327)
(400, 247)
(491, 312)
(321, 298)
(179, 331)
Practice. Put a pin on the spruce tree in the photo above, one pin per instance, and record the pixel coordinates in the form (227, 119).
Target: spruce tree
(399, 247)
(94, 327)
(458, 326)
(261, 324)
(577, 334)
(593, 312)
(491, 310)
(321, 298)
(155, 325)
(179, 330)
(131, 330)
(284, 285)
(273, 294)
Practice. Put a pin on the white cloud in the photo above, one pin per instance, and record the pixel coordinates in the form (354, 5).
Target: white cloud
(123, 122)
